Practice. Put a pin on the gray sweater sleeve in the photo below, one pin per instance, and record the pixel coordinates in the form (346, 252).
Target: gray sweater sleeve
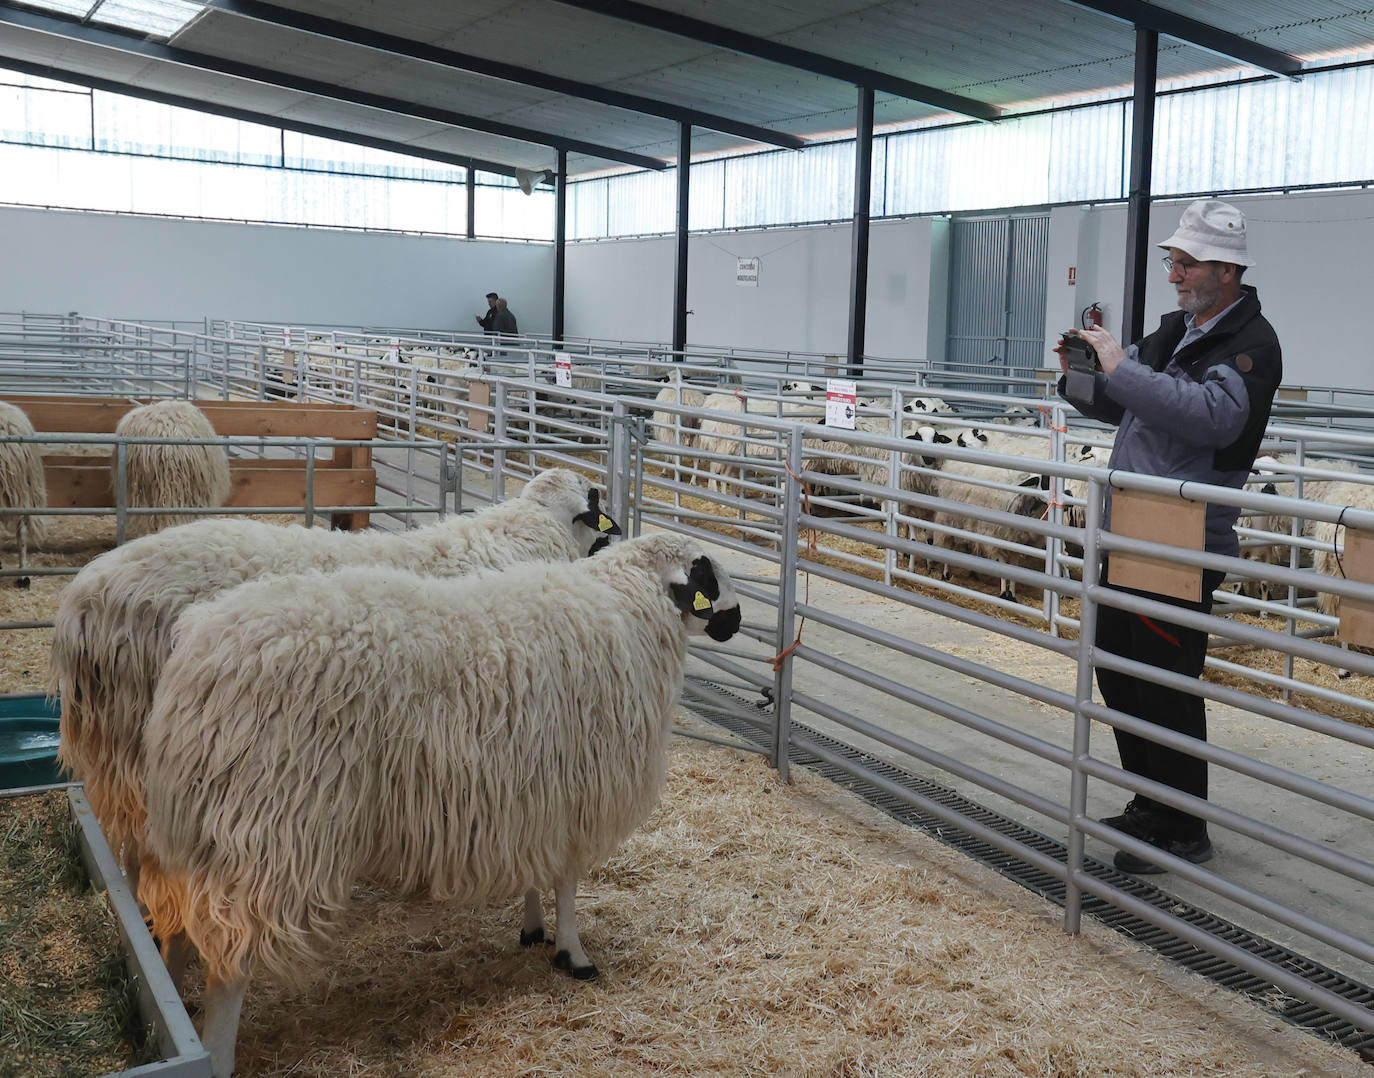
(1207, 413)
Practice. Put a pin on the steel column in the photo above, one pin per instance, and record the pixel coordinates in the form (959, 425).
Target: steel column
(472, 203)
(1138, 200)
(858, 266)
(684, 188)
(560, 243)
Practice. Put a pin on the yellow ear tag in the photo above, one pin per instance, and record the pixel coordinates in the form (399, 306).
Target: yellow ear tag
(605, 523)
(701, 602)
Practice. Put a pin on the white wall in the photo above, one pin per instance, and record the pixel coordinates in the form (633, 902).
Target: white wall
(139, 267)
(623, 289)
(1312, 251)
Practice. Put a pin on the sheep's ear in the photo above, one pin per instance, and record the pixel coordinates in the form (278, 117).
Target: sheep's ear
(699, 593)
(943, 439)
(1036, 482)
(595, 519)
(1269, 488)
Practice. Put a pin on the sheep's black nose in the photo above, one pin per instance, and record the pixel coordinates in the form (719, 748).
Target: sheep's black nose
(723, 624)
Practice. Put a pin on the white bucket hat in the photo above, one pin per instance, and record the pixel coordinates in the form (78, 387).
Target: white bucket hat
(1211, 231)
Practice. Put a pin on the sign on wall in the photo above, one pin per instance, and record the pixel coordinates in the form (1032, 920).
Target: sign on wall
(747, 272)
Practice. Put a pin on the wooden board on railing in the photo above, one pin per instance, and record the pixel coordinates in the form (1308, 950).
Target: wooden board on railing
(346, 477)
(85, 482)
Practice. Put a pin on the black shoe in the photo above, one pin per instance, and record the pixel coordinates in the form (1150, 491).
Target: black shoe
(1138, 821)
(1195, 850)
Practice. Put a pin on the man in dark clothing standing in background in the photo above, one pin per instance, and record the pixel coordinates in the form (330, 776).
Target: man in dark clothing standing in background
(486, 320)
(503, 321)
(1192, 400)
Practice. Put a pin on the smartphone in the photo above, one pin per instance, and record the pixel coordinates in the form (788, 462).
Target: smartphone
(1080, 354)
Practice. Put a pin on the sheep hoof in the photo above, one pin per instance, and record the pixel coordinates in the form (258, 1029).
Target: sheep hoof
(1342, 674)
(1009, 596)
(562, 960)
(21, 582)
(529, 939)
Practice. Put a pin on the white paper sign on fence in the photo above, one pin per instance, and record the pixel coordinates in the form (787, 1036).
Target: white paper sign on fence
(395, 348)
(562, 373)
(841, 402)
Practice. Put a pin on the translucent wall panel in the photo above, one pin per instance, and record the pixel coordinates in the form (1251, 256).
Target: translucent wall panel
(1267, 134)
(1088, 153)
(322, 154)
(707, 199)
(117, 183)
(128, 125)
(642, 202)
(587, 210)
(44, 117)
(815, 184)
(509, 212)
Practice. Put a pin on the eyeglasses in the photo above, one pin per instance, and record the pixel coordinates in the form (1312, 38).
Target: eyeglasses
(1183, 267)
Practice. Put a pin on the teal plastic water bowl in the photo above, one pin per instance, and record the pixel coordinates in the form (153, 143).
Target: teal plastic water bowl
(28, 741)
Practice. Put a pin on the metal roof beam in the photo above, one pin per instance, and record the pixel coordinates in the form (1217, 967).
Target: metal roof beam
(723, 37)
(114, 86)
(481, 65)
(72, 29)
(1203, 35)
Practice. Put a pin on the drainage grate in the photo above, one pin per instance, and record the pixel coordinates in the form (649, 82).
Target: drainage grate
(746, 721)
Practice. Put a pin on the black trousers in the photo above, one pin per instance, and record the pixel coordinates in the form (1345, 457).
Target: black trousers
(1167, 646)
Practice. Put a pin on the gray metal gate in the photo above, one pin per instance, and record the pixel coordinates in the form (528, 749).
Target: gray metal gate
(997, 277)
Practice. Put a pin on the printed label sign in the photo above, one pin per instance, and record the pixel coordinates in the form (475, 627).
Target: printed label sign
(395, 349)
(562, 373)
(747, 272)
(841, 403)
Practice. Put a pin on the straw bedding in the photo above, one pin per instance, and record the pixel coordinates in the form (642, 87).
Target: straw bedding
(752, 928)
(748, 928)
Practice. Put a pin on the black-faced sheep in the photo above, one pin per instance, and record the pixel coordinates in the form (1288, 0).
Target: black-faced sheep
(313, 731)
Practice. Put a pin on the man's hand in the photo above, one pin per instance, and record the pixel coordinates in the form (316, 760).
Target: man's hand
(1110, 354)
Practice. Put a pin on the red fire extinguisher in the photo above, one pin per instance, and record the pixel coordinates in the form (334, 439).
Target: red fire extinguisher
(1091, 317)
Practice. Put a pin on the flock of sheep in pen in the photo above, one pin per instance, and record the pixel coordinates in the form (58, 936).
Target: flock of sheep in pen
(725, 449)
(264, 716)
(232, 692)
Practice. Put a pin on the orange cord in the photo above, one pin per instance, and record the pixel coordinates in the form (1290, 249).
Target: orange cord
(1046, 412)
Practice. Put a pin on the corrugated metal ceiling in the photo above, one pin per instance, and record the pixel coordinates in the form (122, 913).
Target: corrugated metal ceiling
(1007, 53)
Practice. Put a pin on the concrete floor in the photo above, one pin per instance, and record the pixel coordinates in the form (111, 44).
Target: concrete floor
(1278, 876)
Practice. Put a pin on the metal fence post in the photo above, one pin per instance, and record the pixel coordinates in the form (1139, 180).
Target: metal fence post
(1054, 514)
(787, 602)
(498, 456)
(1083, 692)
(310, 485)
(618, 476)
(121, 492)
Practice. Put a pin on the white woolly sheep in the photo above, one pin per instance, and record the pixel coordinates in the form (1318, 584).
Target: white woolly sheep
(1327, 556)
(669, 426)
(963, 481)
(112, 632)
(171, 475)
(22, 484)
(341, 741)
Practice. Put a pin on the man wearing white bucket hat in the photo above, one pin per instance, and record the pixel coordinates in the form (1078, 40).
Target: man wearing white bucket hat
(1192, 400)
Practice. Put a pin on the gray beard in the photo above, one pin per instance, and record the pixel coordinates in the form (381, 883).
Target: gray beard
(1200, 301)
